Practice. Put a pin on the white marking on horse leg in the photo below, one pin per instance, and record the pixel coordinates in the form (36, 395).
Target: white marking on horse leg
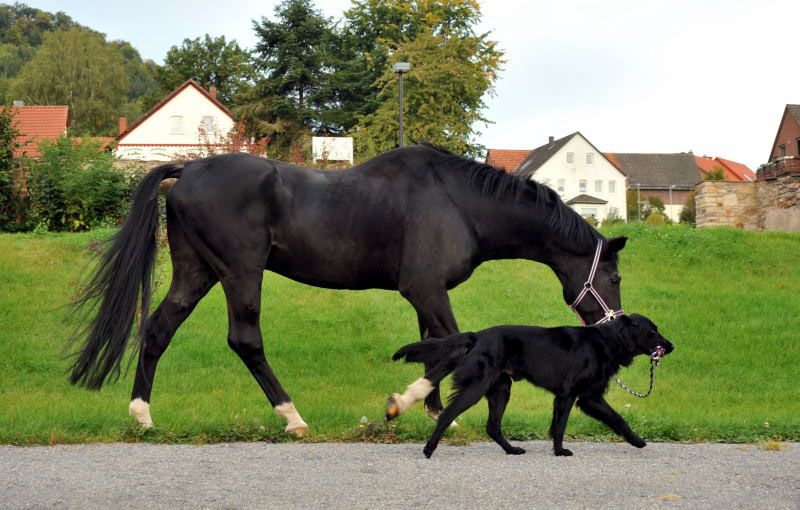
(295, 423)
(140, 410)
(415, 392)
(434, 415)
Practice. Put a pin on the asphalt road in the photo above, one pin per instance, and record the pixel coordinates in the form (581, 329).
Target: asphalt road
(304, 475)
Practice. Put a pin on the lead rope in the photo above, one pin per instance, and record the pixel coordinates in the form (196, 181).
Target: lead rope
(655, 360)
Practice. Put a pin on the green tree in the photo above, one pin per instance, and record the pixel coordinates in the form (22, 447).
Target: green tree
(78, 69)
(689, 212)
(443, 93)
(8, 144)
(452, 68)
(717, 174)
(211, 62)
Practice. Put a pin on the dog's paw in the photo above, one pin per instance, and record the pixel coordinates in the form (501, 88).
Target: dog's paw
(563, 452)
(515, 450)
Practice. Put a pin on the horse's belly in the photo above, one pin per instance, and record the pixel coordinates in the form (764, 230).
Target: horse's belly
(331, 272)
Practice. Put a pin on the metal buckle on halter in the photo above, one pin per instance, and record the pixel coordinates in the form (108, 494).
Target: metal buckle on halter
(611, 315)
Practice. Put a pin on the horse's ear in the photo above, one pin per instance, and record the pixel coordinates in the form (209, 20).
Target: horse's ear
(615, 244)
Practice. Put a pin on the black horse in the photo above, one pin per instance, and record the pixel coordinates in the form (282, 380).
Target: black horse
(417, 219)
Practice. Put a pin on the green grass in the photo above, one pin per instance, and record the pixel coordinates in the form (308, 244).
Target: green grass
(727, 299)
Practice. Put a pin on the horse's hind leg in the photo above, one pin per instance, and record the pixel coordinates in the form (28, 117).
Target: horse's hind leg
(421, 388)
(244, 337)
(191, 280)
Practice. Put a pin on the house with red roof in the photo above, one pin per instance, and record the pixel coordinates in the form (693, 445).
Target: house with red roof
(38, 123)
(506, 159)
(731, 170)
(785, 154)
(187, 121)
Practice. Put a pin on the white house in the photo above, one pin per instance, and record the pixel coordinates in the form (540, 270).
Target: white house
(583, 177)
(188, 121)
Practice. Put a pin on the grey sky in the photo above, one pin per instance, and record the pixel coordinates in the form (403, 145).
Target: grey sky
(632, 76)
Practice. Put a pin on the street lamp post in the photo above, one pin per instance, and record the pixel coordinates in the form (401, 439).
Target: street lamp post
(400, 68)
(670, 200)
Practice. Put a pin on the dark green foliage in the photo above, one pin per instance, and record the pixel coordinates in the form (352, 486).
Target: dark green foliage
(74, 186)
(689, 212)
(212, 62)
(8, 143)
(717, 174)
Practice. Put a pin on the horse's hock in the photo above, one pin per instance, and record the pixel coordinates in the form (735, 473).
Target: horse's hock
(769, 204)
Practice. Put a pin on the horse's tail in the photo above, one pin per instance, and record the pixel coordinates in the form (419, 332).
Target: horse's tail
(123, 273)
(436, 349)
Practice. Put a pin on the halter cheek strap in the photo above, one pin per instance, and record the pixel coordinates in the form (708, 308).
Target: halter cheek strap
(588, 288)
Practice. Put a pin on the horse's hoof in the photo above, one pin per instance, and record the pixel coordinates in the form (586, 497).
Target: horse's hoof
(434, 415)
(299, 430)
(392, 408)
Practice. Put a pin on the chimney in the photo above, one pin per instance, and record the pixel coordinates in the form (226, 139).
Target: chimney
(213, 92)
(552, 139)
(19, 103)
(123, 125)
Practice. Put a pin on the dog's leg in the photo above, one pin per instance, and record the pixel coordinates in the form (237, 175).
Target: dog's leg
(561, 409)
(498, 396)
(463, 400)
(597, 407)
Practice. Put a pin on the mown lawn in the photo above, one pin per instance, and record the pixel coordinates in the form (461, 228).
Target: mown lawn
(727, 299)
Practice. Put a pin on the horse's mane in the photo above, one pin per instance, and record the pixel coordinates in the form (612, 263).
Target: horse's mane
(501, 185)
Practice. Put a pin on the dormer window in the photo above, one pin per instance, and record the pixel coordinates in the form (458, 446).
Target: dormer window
(176, 125)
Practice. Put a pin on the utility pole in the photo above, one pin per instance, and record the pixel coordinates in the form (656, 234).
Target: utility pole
(400, 68)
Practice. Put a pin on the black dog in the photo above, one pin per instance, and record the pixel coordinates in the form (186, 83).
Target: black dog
(571, 362)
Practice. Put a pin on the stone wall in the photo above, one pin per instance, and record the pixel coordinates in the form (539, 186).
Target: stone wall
(779, 201)
(772, 204)
(729, 204)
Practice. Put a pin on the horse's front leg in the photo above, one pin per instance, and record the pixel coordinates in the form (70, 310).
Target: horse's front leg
(436, 320)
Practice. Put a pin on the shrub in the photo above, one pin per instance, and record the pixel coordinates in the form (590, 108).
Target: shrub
(689, 212)
(9, 201)
(74, 186)
(612, 219)
(657, 219)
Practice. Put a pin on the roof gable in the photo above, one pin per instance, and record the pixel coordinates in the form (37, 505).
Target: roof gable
(37, 123)
(732, 171)
(166, 100)
(791, 114)
(504, 159)
(541, 155)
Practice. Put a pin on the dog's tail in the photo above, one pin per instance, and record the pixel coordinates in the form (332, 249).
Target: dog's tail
(435, 349)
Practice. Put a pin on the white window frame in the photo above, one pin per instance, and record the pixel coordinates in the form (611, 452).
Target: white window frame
(582, 186)
(612, 186)
(562, 184)
(589, 211)
(598, 186)
(176, 125)
(570, 158)
(209, 121)
(590, 158)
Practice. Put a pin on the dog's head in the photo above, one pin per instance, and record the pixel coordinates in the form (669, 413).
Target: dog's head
(641, 335)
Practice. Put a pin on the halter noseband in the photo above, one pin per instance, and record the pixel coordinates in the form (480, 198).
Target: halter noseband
(588, 287)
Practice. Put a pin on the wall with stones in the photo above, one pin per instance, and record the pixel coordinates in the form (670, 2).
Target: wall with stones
(779, 201)
(772, 204)
(723, 203)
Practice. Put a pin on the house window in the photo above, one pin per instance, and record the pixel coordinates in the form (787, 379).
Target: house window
(598, 186)
(570, 157)
(176, 125)
(582, 186)
(590, 158)
(613, 212)
(561, 185)
(588, 211)
(612, 186)
(782, 148)
(208, 123)
(798, 146)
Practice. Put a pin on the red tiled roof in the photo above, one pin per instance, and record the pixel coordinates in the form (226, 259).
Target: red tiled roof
(37, 123)
(506, 159)
(104, 141)
(732, 171)
(612, 158)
